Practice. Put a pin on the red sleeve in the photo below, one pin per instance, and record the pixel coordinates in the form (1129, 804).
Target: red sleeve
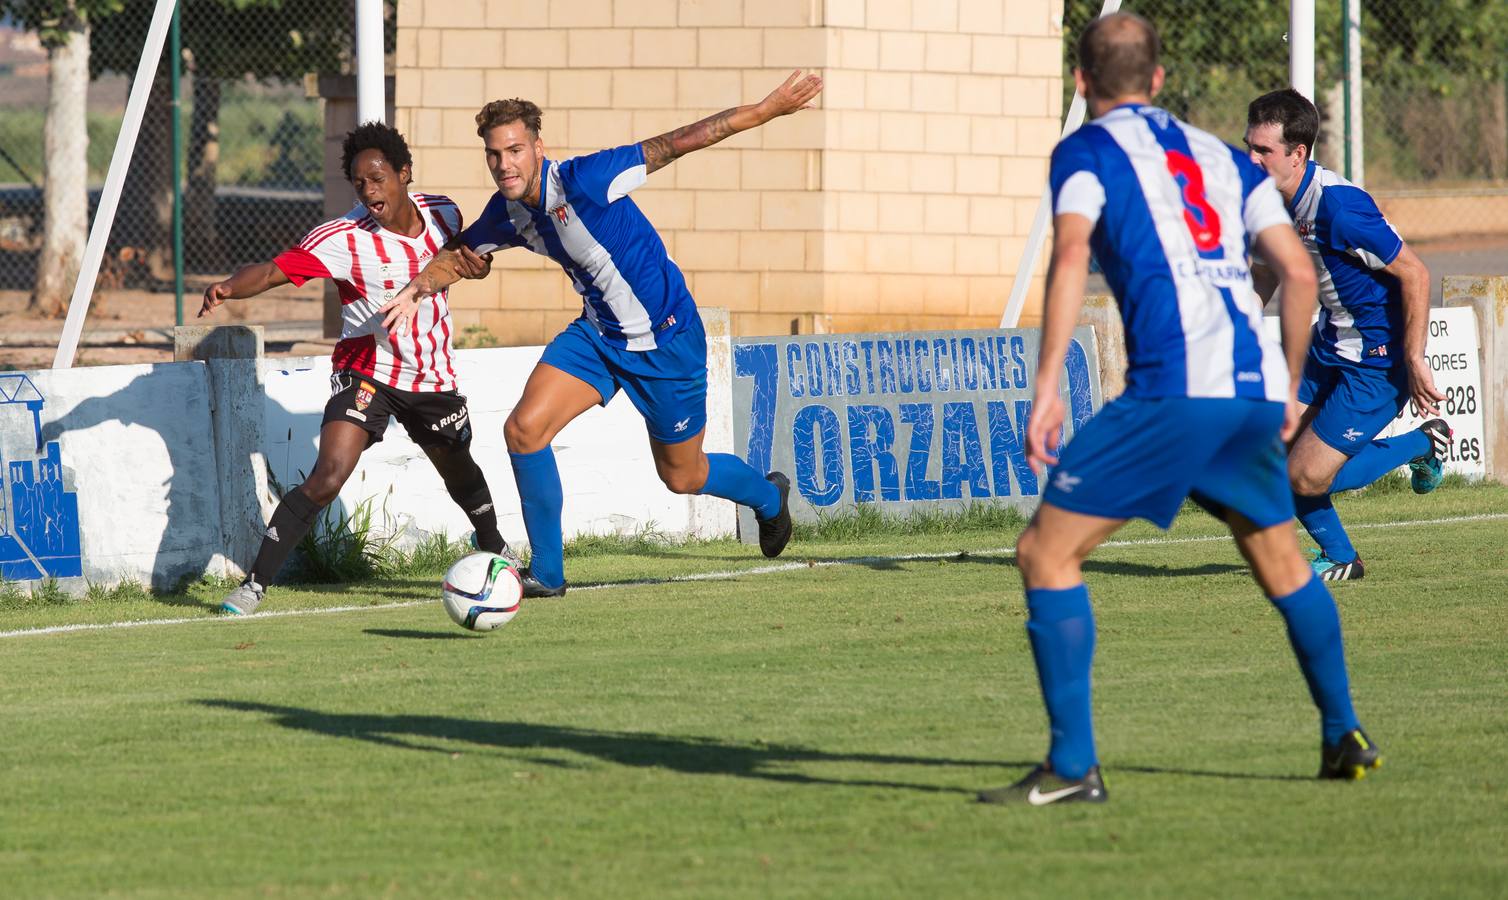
(300, 265)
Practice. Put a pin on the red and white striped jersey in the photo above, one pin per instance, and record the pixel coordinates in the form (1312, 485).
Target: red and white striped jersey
(370, 265)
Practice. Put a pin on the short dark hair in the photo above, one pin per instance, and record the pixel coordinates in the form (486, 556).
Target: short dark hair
(1293, 111)
(501, 112)
(1119, 53)
(375, 136)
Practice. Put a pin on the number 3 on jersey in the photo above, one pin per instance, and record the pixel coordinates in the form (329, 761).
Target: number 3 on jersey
(1203, 221)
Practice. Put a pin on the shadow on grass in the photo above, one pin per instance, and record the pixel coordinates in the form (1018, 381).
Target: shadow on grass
(186, 601)
(1198, 773)
(1106, 567)
(414, 634)
(410, 589)
(686, 754)
(1117, 567)
(542, 743)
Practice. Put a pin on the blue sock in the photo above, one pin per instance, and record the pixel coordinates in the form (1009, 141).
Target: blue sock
(1060, 625)
(1314, 632)
(733, 479)
(1379, 458)
(541, 498)
(1323, 524)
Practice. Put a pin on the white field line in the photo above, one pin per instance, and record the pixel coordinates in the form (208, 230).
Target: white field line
(705, 576)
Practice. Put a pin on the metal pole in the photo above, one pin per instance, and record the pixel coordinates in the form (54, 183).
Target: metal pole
(371, 64)
(109, 201)
(1028, 264)
(1301, 46)
(1355, 155)
(175, 52)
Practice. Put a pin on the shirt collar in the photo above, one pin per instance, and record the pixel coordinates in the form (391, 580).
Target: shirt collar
(1298, 195)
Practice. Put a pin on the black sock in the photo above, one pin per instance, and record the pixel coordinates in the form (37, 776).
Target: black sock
(468, 488)
(477, 504)
(290, 522)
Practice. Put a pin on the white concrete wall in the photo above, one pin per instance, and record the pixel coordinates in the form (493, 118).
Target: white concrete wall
(605, 466)
(136, 448)
(169, 462)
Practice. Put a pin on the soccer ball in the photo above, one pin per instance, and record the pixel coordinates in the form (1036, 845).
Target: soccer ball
(482, 591)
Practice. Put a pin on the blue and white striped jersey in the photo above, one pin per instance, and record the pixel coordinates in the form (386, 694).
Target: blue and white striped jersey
(1175, 209)
(1361, 307)
(632, 292)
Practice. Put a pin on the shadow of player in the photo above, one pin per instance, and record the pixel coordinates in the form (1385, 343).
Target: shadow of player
(552, 745)
(687, 754)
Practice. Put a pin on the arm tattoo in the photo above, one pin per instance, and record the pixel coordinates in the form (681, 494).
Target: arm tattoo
(439, 274)
(661, 151)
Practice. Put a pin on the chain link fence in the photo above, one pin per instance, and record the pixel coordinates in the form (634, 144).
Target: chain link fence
(1434, 99)
(252, 135)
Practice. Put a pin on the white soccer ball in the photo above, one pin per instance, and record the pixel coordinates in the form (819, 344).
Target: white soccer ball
(482, 591)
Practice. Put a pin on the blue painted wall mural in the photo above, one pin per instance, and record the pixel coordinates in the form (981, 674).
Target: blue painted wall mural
(39, 517)
(900, 419)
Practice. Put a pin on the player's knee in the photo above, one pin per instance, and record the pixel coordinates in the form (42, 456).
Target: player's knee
(1309, 483)
(454, 464)
(1044, 562)
(1028, 552)
(321, 489)
(684, 479)
(524, 432)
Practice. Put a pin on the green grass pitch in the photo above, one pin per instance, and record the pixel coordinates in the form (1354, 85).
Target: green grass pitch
(813, 731)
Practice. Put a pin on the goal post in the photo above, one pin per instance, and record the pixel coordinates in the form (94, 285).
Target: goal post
(109, 201)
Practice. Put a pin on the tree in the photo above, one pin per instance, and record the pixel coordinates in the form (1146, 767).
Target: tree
(1435, 74)
(1219, 54)
(1437, 87)
(64, 27)
(223, 40)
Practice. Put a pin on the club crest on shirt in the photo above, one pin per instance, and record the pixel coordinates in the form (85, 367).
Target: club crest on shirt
(562, 213)
(364, 395)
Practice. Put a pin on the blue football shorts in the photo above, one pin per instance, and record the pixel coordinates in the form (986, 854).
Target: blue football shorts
(1355, 403)
(1139, 457)
(667, 385)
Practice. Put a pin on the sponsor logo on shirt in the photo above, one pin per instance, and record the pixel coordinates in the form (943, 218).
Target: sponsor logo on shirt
(1222, 273)
(1351, 434)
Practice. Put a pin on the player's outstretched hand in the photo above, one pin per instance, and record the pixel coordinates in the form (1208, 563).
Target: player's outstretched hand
(402, 312)
(1422, 387)
(1045, 424)
(470, 265)
(797, 93)
(214, 295)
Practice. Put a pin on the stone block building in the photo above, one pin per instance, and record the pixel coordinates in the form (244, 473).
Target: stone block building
(901, 201)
